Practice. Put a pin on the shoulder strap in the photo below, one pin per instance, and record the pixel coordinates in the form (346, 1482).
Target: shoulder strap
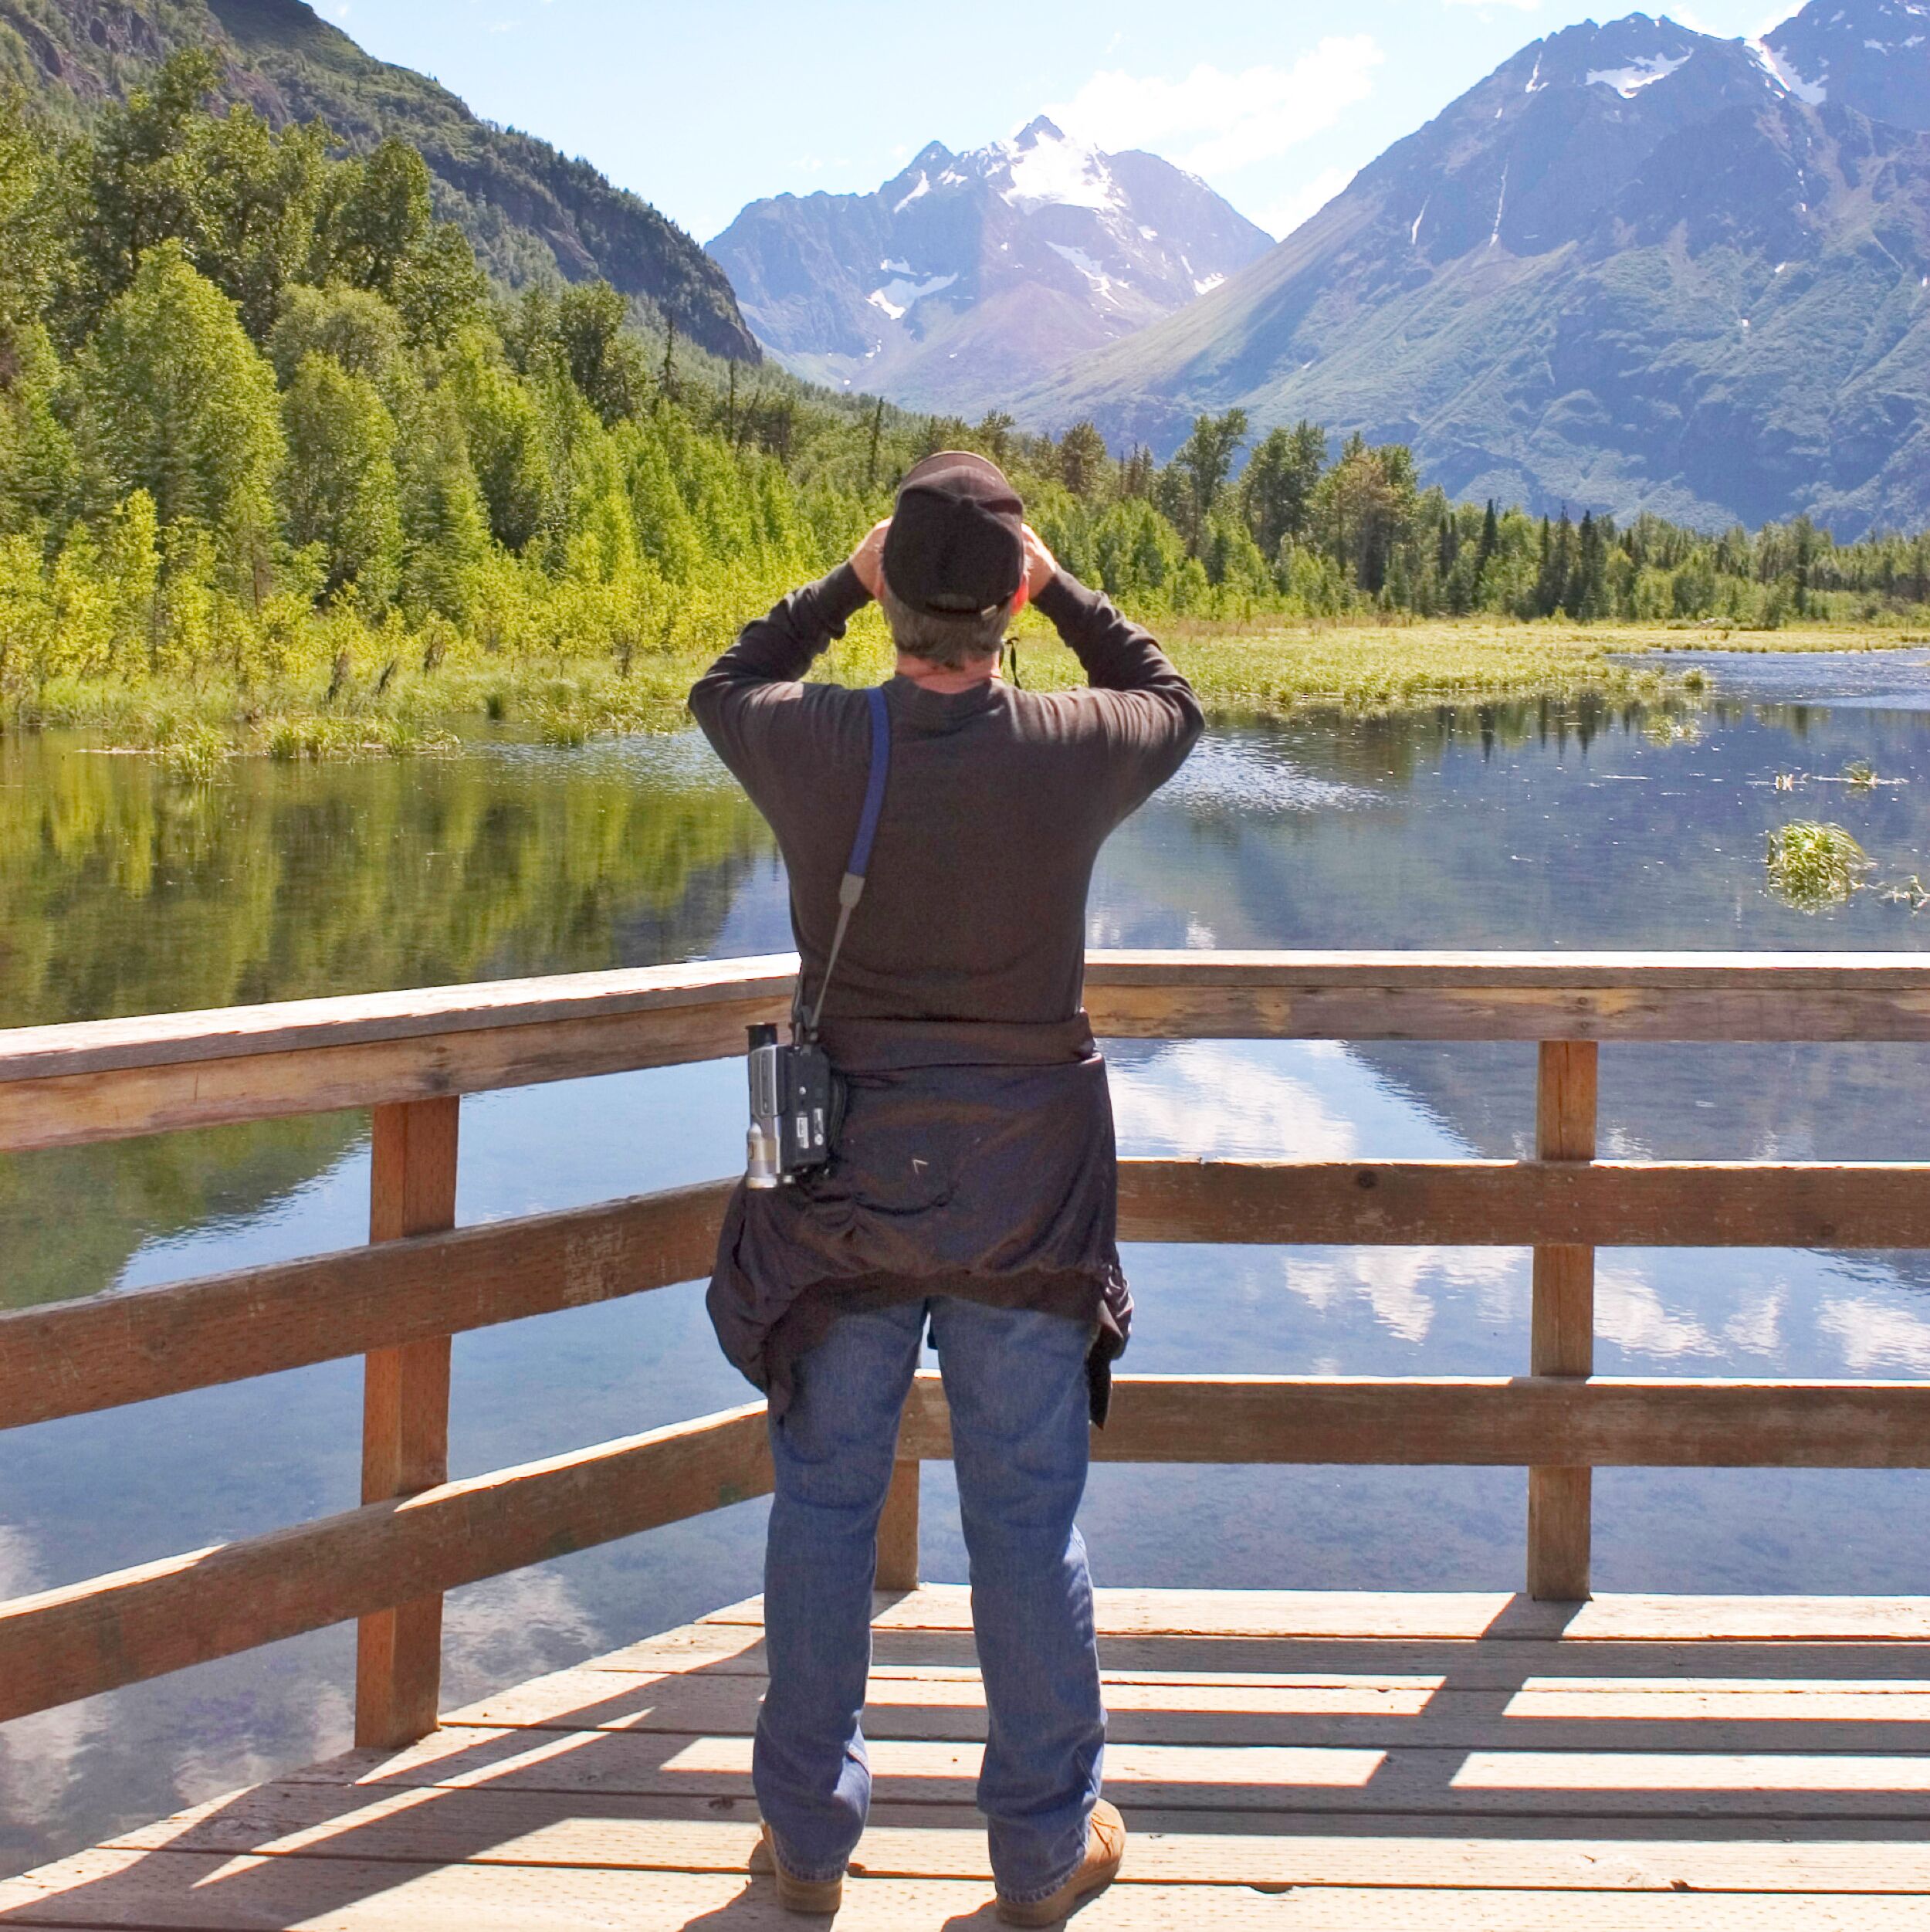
(852, 889)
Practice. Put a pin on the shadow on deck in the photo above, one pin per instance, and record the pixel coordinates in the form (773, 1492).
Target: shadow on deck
(1284, 1760)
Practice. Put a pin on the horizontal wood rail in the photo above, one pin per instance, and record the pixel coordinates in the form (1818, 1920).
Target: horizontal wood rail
(410, 1055)
(1488, 1422)
(89, 1637)
(62, 1645)
(74, 1357)
(110, 1080)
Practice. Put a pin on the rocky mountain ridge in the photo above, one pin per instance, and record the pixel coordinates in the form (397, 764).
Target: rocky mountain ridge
(1637, 267)
(529, 210)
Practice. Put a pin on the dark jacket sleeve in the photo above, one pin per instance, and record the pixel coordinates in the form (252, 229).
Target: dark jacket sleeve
(1150, 716)
(744, 702)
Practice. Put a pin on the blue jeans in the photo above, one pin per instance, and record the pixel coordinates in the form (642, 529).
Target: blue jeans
(1017, 1386)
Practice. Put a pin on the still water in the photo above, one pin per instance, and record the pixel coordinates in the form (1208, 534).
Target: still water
(1541, 826)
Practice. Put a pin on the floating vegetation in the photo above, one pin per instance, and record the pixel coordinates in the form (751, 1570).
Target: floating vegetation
(193, 753)
(1664, 728)
(1910, 892)
(1861, 775)
(1812, 867)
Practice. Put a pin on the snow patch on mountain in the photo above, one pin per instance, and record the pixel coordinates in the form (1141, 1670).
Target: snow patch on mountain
(899, 295)
(1629, 81)
(1784, 73)
(1048, 169)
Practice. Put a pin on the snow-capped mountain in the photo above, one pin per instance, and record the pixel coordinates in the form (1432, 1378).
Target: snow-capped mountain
(1636, 267)
(969, 277)
(1873, 59)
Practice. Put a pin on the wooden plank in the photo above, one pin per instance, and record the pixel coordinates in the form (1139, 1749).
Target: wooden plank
(75, 1357)
(1114, 982)
(110, 1349)
(67, 1086)
(1669, 1423)
(1562, 1339)
(1451, 1783)
(1527, 996)
(1519, 1204)
(1391, 1621)
(738, 1650)
(364, 1019)
(80, 1110)
(188, 1892)
(69, 1643)
(897, 1531)
(1247, 1713)
(516, 1828)
(405, 1421)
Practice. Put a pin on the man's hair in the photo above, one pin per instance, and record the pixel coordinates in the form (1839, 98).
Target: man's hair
(950, 642)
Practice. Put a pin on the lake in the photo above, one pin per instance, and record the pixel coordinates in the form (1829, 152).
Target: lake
(1563, 825)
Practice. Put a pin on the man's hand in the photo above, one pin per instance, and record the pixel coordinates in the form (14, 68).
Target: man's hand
(868, 560)
(1040, 565)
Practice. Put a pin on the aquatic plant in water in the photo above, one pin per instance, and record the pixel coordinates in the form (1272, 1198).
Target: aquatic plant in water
(1812, 867)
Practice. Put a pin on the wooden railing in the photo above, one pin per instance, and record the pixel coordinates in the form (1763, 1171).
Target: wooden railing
(409, 1057)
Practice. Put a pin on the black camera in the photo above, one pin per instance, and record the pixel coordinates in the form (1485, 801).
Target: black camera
(793, 1096)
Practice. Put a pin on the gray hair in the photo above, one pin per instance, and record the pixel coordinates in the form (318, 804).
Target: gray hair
(950, 642)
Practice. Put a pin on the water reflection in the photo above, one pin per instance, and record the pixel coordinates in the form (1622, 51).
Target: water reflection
(1533, 825)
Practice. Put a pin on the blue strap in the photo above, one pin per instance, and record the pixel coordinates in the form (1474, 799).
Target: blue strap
(880, 765)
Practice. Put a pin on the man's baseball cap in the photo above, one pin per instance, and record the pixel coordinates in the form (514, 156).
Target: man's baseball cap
(957, 545)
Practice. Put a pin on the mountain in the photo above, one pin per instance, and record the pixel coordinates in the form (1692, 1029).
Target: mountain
(529, 210)
(969, 277)
(1635, 268)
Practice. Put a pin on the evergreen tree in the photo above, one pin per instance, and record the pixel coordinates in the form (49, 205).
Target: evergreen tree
(1198, 471)
(445, 528)
(1276, 491)
(1081, 460)
(342, 494)
(602, 358)
(178, 402)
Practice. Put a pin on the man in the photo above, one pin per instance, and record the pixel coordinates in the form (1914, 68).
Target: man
(972, 1188)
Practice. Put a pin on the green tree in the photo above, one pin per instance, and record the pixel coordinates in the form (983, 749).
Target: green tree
(342, 494)
(352, 327)
(504, 433)
(376, 219)
(1198, 472)
(1083, 460)
(28, 243)
(1276, 490)
(601, 355)
(178, 402)
(445, 527)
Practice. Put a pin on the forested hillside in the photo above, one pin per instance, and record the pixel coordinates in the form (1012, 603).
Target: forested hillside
(530, 211)
(277, 462)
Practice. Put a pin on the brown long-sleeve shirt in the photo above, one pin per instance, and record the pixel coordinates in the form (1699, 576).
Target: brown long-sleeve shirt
(976, 1157)
(998, 803)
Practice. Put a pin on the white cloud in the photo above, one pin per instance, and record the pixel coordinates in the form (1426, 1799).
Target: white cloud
(1283, 217)
(1522, 6)
(1212, 122)
(1872, 1337)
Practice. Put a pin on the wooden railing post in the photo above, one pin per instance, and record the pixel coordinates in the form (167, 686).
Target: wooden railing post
(1562, 1342)
(898, 1531)
(405, 1422)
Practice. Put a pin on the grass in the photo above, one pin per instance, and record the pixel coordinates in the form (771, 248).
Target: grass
(1272, 668)
(1813, 867)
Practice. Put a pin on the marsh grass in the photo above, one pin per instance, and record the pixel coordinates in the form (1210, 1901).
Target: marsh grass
(563, 698)
(1812, 866)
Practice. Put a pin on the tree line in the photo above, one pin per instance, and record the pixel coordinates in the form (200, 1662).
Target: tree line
(262, 417)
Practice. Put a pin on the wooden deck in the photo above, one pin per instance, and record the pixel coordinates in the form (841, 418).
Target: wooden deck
(1284, 1760)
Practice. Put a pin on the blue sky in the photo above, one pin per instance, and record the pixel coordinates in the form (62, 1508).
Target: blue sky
(701, 107)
